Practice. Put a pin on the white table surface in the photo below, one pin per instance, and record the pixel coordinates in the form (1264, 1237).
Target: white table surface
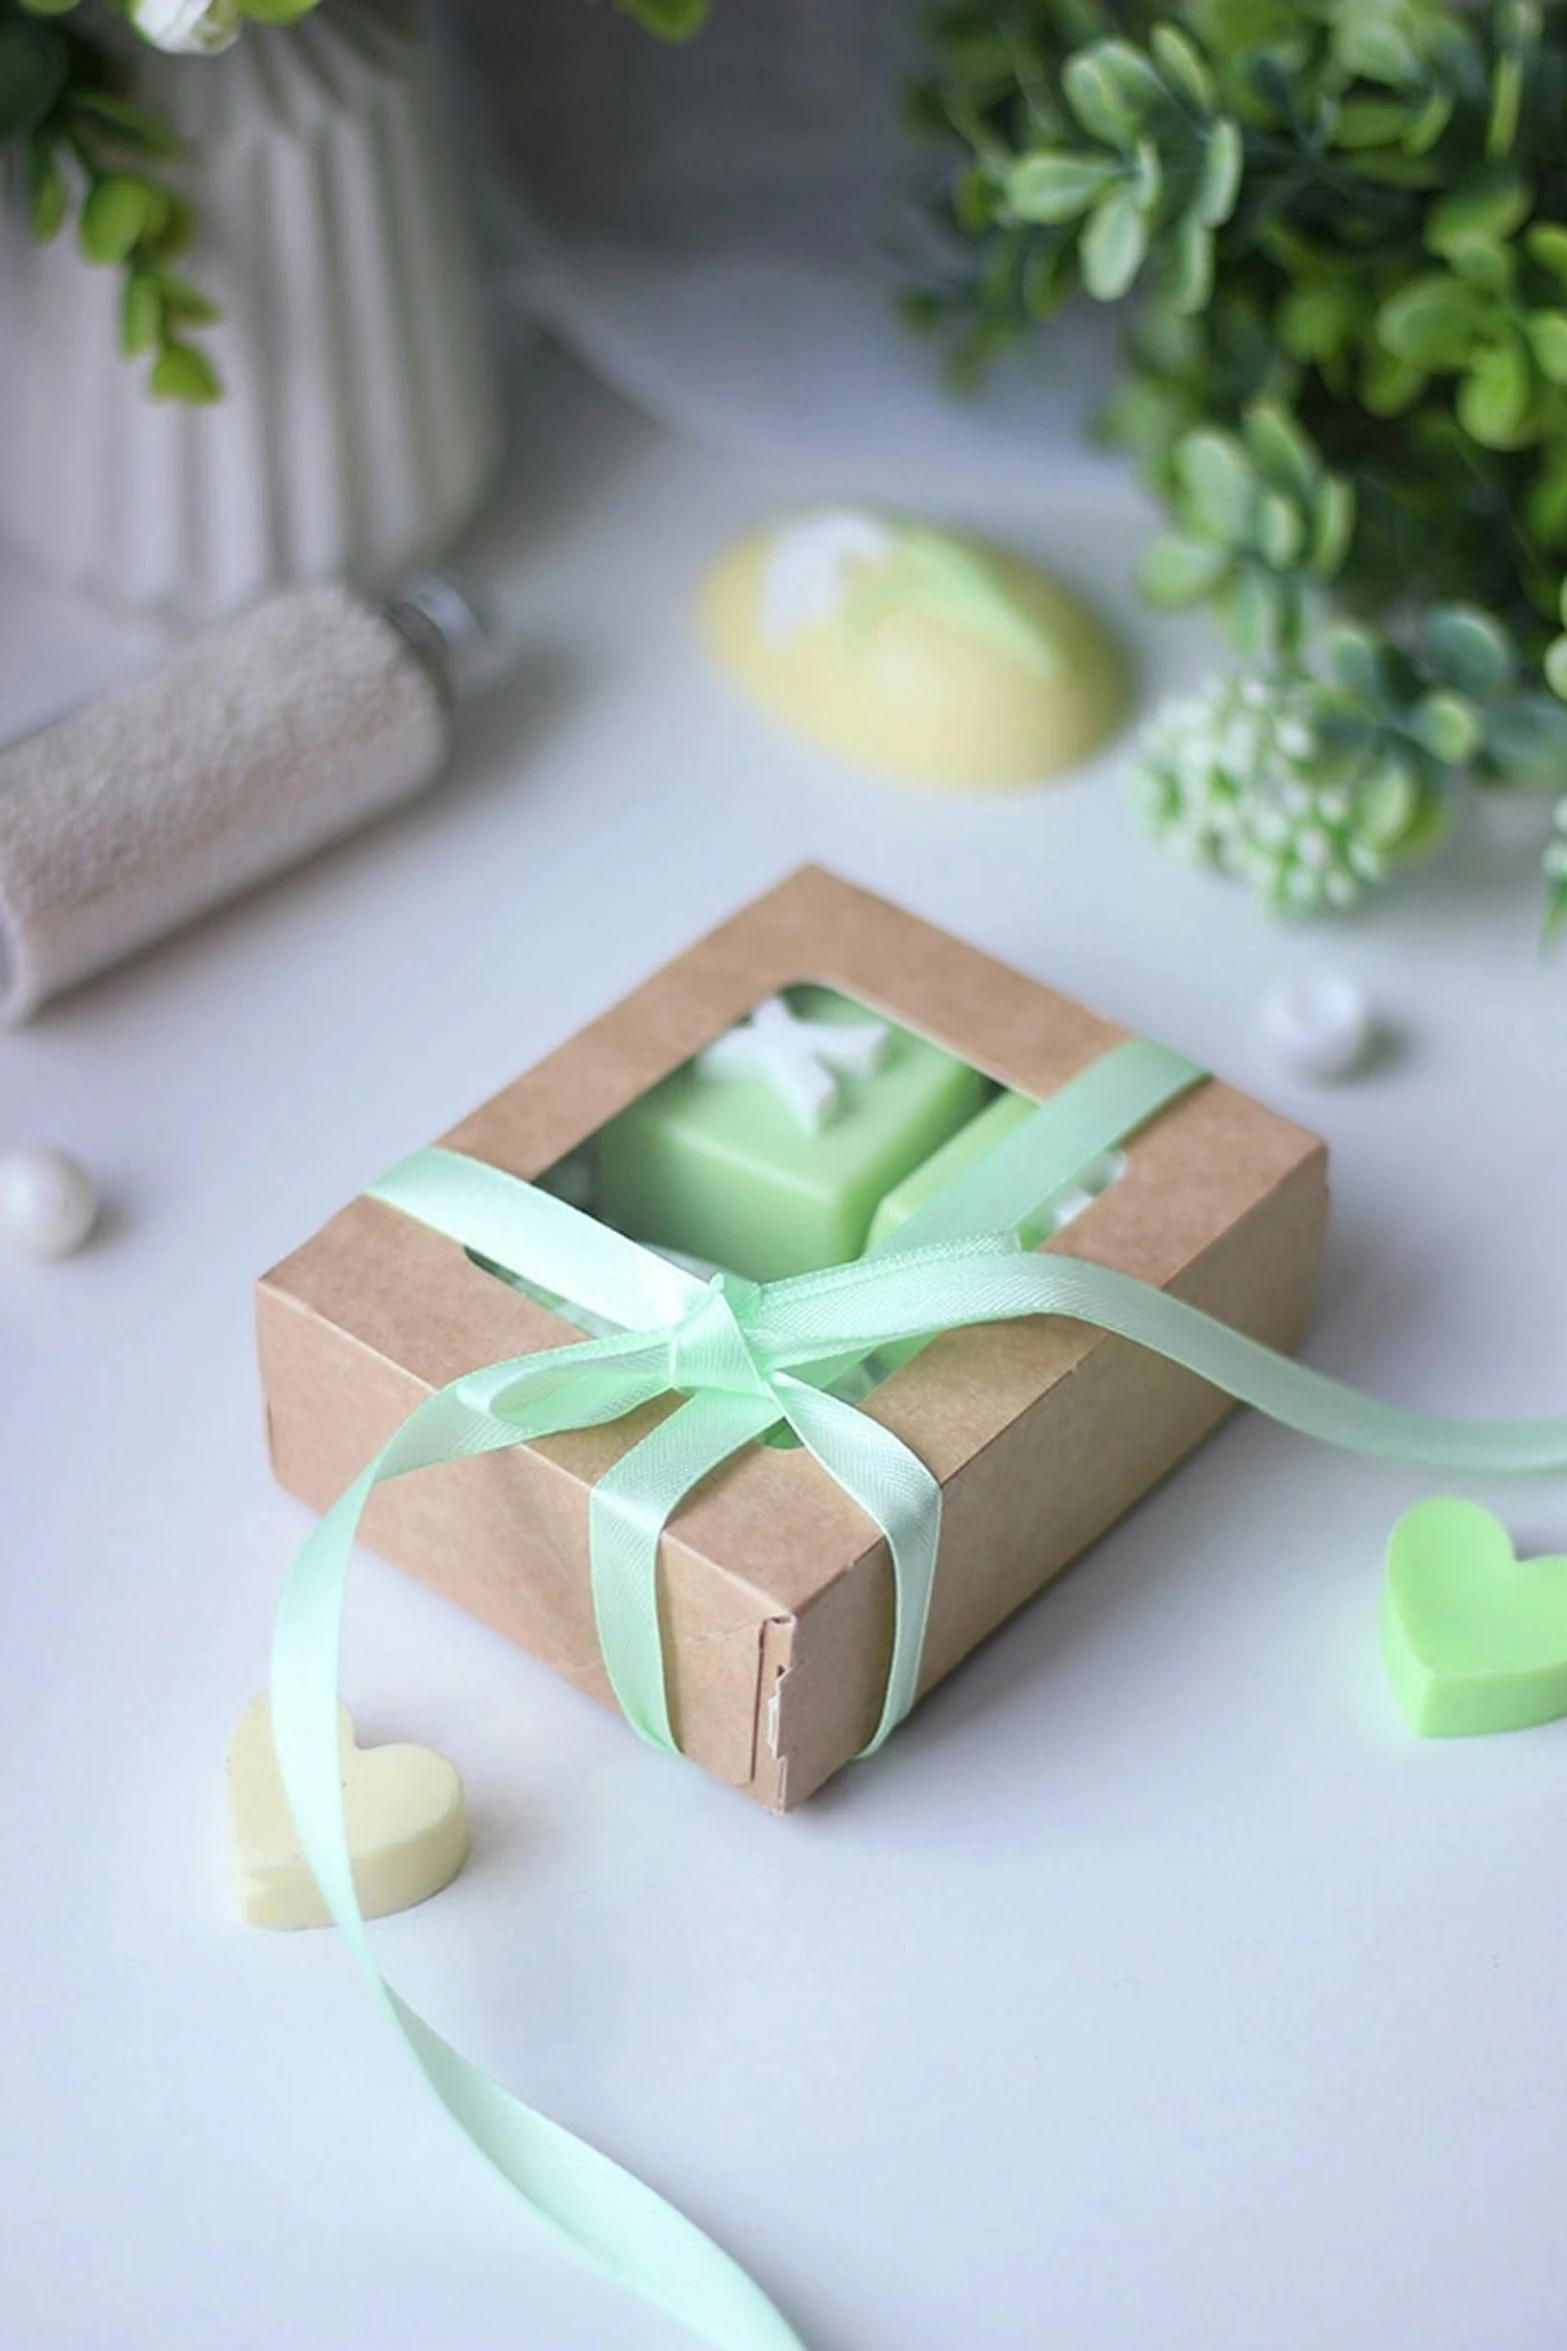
(1156, 1991)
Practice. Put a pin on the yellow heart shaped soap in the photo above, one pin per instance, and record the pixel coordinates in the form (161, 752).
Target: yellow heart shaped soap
(921, 652)
(407, 1826)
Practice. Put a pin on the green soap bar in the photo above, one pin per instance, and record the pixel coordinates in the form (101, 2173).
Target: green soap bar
(995, 1122)
(721, 1167)
(945, 1164)
(1475, 1638)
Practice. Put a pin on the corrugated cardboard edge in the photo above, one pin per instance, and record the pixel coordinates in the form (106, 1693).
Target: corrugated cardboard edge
(374, 1312)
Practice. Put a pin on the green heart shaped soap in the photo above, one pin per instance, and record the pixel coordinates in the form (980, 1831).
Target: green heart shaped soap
(1475, 1638)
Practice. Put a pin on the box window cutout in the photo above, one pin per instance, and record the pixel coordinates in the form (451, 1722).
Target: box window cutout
(806, 1135)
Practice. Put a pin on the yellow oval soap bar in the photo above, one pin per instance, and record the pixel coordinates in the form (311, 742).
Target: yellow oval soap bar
(924, 654)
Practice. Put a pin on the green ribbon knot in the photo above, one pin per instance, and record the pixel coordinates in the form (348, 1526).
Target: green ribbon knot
(711, 1349)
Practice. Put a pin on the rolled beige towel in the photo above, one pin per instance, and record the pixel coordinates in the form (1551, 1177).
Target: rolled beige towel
(254, 748)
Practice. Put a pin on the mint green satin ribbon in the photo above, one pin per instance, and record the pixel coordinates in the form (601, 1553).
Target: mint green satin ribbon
(744, 1355)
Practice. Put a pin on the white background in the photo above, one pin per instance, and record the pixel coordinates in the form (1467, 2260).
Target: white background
(1155, 1991)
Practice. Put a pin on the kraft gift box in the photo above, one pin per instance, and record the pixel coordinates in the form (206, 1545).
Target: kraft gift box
(775, 1591)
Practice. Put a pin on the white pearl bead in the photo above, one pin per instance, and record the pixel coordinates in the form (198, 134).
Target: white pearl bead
(1318, 1026)
(47, 1203)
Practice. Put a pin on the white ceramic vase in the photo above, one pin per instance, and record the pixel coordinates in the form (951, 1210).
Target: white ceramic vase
(361, 418)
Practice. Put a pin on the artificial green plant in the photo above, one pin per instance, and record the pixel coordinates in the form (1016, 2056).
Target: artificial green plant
(88, 155)
(1342, 225)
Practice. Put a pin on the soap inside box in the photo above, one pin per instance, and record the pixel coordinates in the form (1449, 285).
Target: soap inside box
(775, 1591)
(805, 1135)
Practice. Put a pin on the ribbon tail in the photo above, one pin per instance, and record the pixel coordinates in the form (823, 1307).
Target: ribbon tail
(602, 2211)
(881, 1300)
(1276, 1385)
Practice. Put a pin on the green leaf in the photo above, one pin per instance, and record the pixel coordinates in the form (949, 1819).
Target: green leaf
(1396, 167)
(976, 55)
(1147, 181)
(923, 313)
(1263, 70)
(1190, 274)
(1144, 416)
(181, 372)
(1176, 571)
(1506, 98)
(124, 125)
(1484, 262)
(184, 303)
(1368, 43)
(1358, 661)
(160, 204)
(1496, 396)
(1112, 89)
(1346, 731)
(1370, 122)
(1430, 322)
(1114, 244)
(1387, 805)
(1448, 726)
(1428, 123)
(1547, 333)
(1333, 529)
(48, 198)
(671, 20)
(1281, 532)
(1387, 385)
(1430, 824)
(1183, 67)
(1060, 186)
(1219, 183)
(1546, 242)
(1315, 322)
(1219, 485)
(1044, 281)
(1545, 505)
(1490, 208)
(34, 63)
(1527, 741)
(974, 199)
(1281, 449)
(116, 213)
(1468, 649)
(1258, 615)
(1556, 666)
(176, 231)
(141, 313)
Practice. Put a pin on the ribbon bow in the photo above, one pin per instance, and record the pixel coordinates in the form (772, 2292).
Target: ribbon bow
(745, 1356)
